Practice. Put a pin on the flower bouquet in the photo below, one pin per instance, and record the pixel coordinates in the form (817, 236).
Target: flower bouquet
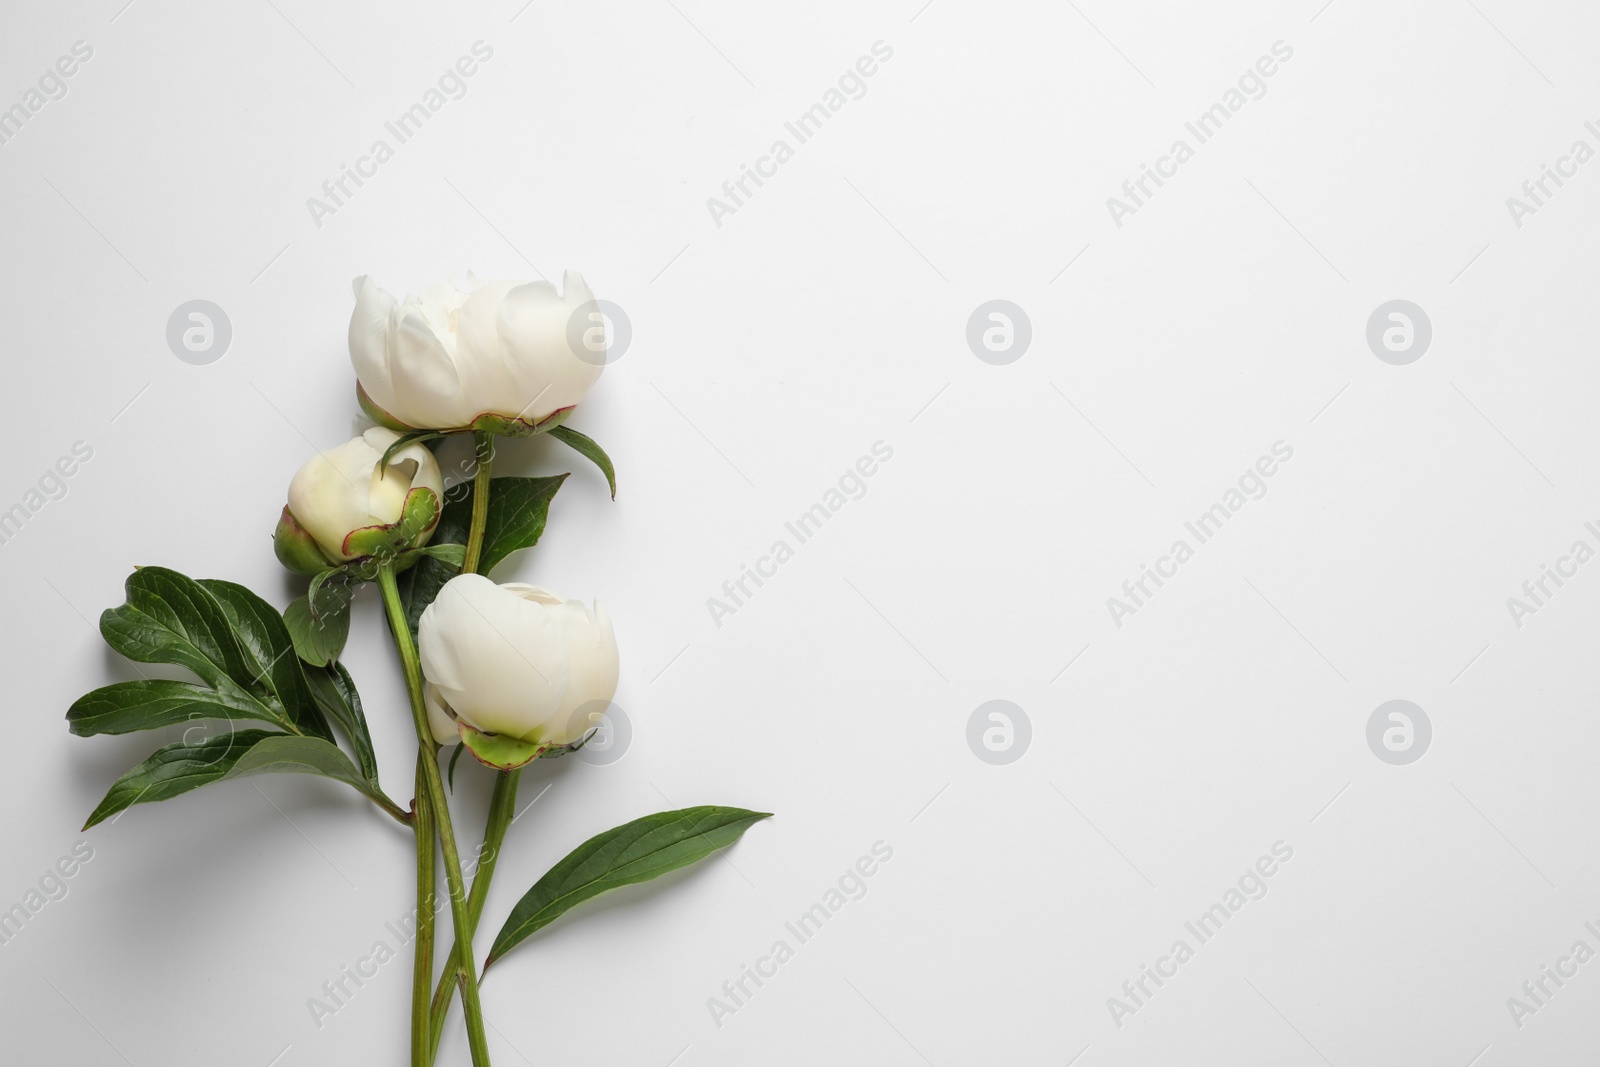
(506, 672)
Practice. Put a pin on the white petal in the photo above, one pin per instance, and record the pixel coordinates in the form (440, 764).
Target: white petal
(439, 720)
(428, 475)
(338, 491)
(427, 387)
(369, 341)
(386, 497)
(574, 289)
(535, 593)
(534, 323)
(498, 659)
(329, 495)
(595, 669)
(485, 366)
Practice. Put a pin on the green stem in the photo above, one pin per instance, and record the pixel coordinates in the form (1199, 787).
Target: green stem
(501, 808)
(477, 1040)
(391, 809)
(423, 1040)
(504, 801)
(483, 443)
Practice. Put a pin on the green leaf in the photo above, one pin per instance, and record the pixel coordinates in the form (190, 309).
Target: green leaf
(454, 555)
(405, 441)
(518, 508)
(586, 446)
(235, 641)
(335, 693)
(455, 758)
(170, 618)
(182, 767)
(633, 852)
(421, 584)
(319, 622)
(150, 703)
(269, 653)
(176, 769)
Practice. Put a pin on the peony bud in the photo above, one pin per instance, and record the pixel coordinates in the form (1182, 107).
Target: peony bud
(515, 661)
(497, 356)
(344, 506)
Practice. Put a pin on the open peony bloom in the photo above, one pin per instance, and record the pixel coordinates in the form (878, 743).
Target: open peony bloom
(505, 356)
(342, 506)
(515, 661)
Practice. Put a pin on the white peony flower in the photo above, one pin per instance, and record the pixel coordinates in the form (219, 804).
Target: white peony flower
(505, 356)
(341, 492)
(515, 660)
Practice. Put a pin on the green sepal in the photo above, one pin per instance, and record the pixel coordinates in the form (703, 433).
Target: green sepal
(511, 426)
(455, 758)
(377, 414)
(406, 440)
(418, 517)
(585, 446)
(557, 751)
(488, 422)
(498, 751)
(296, 548)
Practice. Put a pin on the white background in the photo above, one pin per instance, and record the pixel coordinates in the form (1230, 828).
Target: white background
(769, 353)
